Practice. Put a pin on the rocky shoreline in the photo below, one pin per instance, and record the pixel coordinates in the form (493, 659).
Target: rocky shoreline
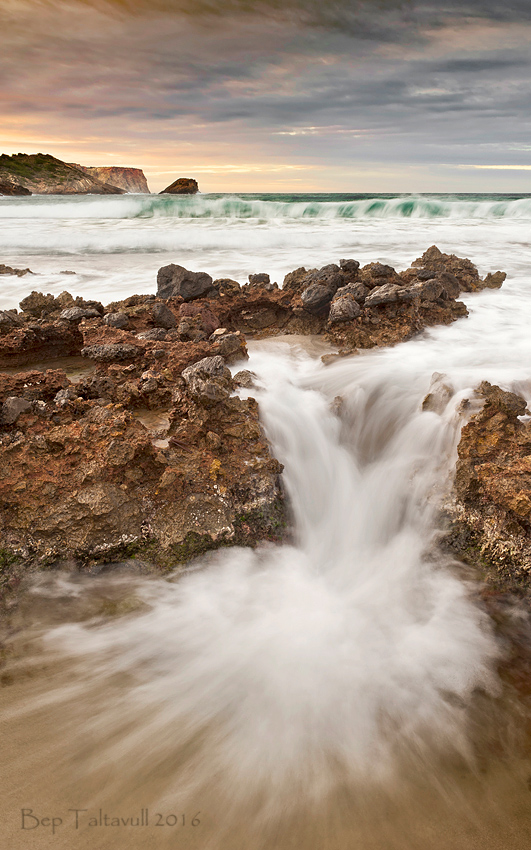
(147, 453)
(489, 516)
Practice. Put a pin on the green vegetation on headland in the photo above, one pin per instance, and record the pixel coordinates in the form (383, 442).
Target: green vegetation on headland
(44, 174)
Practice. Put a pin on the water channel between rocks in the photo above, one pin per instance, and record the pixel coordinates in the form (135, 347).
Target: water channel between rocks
(339, 692)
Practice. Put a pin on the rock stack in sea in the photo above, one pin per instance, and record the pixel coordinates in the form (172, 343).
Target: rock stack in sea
(182, 186)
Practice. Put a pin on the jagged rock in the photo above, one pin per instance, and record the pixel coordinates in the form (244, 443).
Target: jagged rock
(163, 317)
(88, 305)
(427, 290)
(230, 345)
(344, 309)
(12, 408)
(245, 378)
(111, 351)
(439, 394)
(426, 274)
(66, 394)
(32, 385)
(208, 320)
(190, 329)
(181, 186)
(296, 280)
(330, 276)
(434, 261)
(378, 270)
(490, 513)
(75, 314)
(450, 284)
(9, 320)
(316, 299)
(173, 280)
(117, 320)
(386, 294)
(157, 334)
(358, 291)
(18, 272)
(37, 304)
(260, 319)
(495, 280)
(350, 267)
(259, 279)
(208, 381)
(226, 286)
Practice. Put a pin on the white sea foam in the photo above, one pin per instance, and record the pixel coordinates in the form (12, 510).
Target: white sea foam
(117, 244)
(314, 663)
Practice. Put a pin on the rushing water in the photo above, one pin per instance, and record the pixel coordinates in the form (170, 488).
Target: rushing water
(341, 691)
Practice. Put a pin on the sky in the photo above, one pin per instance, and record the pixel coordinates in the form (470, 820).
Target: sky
(275, 95)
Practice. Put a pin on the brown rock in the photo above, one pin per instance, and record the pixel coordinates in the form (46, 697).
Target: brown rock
(490, 517)
(182, 186)
(18, 272)
(343, 309)
(296, 280)
(494, 281)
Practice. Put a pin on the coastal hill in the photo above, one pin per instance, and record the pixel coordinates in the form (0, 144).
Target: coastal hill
(43, 174)
(128, 179)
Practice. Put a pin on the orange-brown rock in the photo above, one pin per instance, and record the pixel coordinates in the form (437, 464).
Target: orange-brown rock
(84, 478)
(38, 341)
(149, 451)
(33, 384)
(491, 513)
(433, 263)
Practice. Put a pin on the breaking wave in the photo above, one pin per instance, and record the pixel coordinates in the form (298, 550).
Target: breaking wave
(269, 208)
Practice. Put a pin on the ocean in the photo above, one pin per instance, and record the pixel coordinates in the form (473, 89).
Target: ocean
(337, 691)
(116, 244)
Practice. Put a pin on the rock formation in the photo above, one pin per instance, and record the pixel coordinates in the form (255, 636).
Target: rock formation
(43, 174)
(17, 272)
(490, 512)
(182, 186)
(87, 478)
(128, 179)
(9, 187)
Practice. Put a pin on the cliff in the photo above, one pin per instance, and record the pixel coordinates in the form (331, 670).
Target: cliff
(182, 186)
(9, 187)
(128, 179)
(43, 174)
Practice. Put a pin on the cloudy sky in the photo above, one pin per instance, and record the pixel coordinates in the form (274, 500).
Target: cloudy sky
(275, 95)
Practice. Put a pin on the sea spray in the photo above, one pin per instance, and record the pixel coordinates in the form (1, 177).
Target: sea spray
(293, 669)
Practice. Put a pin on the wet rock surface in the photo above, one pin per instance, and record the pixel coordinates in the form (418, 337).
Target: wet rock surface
(490, 513)
(9, 270)
(83, 479)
